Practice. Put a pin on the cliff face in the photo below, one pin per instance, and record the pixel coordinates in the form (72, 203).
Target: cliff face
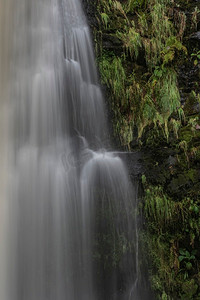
(148, 52)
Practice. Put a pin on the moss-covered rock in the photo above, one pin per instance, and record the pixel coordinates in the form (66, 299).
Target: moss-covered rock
(149, 61)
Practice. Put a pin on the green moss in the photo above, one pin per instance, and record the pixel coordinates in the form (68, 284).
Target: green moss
(135, 5)
(146, 101)
(189, 288)
(172, 240)
(113, 75)
(191, 101)
(158, 207)
(142, 79)
(173, 48)
(131, 40)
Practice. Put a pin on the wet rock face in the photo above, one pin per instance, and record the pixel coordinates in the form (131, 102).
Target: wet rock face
(189, 72)
(171, 166)
(188, 75)
(111, 43)
(90, 10)
(133, 161)
(171, 170)
(195, 36)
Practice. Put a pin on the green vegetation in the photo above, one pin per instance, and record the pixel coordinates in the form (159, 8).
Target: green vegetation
(151, 97)
(172, 240)
(149, 62)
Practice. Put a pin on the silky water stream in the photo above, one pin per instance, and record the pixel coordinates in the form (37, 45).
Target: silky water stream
(67, 209)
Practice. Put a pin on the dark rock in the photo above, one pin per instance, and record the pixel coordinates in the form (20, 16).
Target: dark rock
(188, 75)
(184, 183)
(90, 11)
(171, 161)
(195, 36)
(133, 161)
(111, 42)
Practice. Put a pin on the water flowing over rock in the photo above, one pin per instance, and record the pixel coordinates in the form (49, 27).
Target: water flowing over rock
(55, 173)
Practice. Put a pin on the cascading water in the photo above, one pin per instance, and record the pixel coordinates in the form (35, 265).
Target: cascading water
(56, 184)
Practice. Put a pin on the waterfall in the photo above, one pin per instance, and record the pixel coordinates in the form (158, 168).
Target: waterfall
(60, 189)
